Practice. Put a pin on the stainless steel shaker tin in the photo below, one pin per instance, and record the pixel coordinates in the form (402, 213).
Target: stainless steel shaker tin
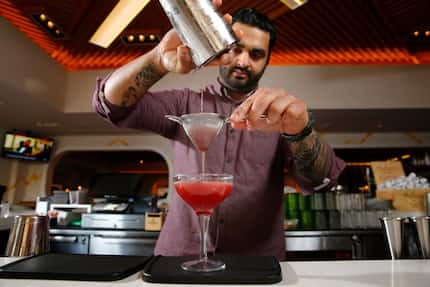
(29, 236)
(200, 27)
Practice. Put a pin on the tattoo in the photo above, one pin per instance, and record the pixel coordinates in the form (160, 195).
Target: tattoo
(311, 158)
(147, 77)
(143, 80)
(129, 97)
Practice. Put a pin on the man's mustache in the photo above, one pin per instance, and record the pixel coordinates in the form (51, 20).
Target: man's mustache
(242, 70)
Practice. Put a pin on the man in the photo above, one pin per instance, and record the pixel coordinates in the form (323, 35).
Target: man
(255, 150)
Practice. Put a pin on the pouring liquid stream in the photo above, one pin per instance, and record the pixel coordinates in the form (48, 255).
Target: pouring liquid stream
(202, 152)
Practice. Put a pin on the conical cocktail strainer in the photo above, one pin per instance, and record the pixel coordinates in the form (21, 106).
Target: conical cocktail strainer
(201, 128)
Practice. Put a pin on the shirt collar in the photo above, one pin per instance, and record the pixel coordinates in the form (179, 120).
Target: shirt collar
(223, 93)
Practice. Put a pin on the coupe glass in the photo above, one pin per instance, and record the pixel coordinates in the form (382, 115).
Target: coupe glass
(203, 192)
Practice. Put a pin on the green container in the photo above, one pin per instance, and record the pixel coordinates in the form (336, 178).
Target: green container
(304, 202)
(292, 214)
(293, 201)
(307, 219)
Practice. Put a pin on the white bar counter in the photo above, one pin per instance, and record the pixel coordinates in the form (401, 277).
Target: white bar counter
(378, 273)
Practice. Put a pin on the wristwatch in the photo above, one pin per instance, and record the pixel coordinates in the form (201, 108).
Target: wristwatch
(301, 135)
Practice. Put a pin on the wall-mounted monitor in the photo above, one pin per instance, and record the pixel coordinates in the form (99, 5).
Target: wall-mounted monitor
(26, 147)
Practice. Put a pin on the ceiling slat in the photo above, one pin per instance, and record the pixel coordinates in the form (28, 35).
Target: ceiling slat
(319, 32)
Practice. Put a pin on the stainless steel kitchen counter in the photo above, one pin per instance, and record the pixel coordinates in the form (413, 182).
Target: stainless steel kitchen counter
(351, 243)
(107, 232)
(338, 232)
(102, 241)
(358, 243)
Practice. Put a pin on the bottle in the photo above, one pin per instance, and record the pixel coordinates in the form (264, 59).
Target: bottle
(370, 183)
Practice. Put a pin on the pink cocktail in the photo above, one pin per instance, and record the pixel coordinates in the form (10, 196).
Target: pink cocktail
(203, 192)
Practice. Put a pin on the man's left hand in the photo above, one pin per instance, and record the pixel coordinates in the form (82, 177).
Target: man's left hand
(271, 110)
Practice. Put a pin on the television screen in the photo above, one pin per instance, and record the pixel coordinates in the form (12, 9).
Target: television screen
(23, 146)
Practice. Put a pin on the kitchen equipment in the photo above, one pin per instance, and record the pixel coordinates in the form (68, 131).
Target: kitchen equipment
(122, 243)
(71, 244)
(402, 237)
(29, 236)
(66, 214)
(427, 203)
(111, 207)
(113, 221)
(335, 244)
(393, 228)
(201, 128)
(4, 210)
(200, 27)
(422, 227)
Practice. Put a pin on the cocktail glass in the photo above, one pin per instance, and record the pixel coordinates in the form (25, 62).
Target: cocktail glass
(203, 192)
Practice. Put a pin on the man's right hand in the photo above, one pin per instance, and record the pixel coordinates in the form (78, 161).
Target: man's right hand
(174, 55)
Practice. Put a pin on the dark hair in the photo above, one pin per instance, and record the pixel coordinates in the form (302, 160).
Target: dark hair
(251, 17)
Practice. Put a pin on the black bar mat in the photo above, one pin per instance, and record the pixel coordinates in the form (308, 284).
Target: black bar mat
(77, 267)
(239, 270)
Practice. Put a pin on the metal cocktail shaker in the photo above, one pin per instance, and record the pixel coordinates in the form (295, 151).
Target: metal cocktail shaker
(29, 236)
(200, 27)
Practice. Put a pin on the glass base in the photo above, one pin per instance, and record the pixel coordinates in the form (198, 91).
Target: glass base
(203, 265)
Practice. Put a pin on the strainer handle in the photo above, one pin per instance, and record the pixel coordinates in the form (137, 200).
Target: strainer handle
(174, 118)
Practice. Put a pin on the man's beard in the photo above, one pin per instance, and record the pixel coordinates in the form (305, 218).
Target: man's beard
(239, 85)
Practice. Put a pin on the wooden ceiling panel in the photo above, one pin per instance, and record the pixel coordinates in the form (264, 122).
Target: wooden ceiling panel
(320, 32)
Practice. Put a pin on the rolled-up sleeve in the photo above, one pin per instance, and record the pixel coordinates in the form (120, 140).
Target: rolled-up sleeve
(103, 107)
(147, 114)
(336, 167)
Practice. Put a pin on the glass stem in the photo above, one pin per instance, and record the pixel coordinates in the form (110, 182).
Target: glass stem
(204, 226)
(203, 153)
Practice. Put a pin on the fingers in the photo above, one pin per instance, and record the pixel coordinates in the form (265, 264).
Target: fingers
(217, 3)
(184, 62)
(254, 106)
(262, 99)
(228, 18)
(241, 125)
(281, 112)
(278, 107)
(170, 41)
(295, 118)
(240, 113)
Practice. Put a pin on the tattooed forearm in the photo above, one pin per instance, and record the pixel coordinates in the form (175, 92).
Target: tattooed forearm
(147, 77)
(311, 158)
(143, 81)
(129, 97)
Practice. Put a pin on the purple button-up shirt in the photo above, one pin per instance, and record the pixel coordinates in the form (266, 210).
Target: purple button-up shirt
(250, 220)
